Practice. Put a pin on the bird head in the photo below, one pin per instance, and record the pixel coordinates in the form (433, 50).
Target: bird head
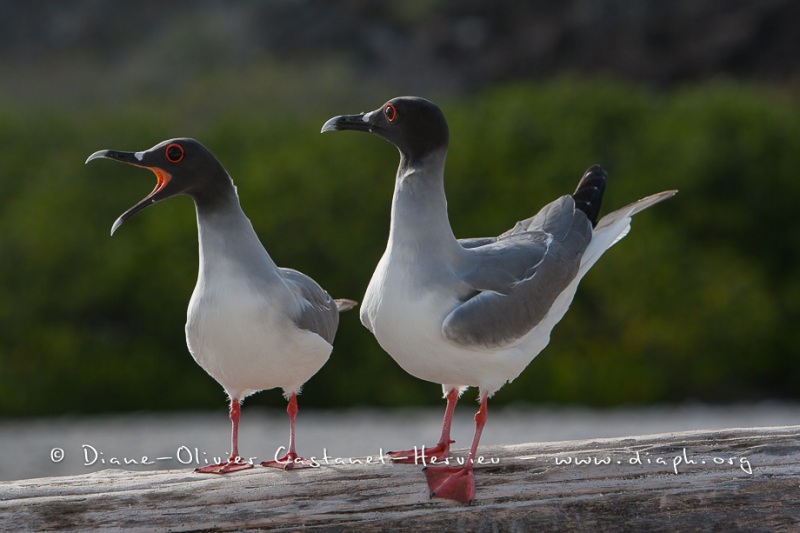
(416, 126)
(181, 166)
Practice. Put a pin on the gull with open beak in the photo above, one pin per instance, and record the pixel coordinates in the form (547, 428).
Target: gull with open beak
(250, 324)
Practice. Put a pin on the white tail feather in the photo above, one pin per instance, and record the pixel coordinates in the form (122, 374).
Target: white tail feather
(613, 227)
(344, 304)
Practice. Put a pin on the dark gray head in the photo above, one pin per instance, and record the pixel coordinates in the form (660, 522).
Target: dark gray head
(416, 126)
(181, 166)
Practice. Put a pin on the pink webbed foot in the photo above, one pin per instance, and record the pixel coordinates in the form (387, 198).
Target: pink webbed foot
(451, 482)
(422, 455)
(234, 464)
(440, 451)
(290, 461)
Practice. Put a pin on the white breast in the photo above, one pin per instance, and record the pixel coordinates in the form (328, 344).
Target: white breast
(244, 337)
(407, 323)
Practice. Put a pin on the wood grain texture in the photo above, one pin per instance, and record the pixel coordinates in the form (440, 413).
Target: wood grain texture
(740, 480)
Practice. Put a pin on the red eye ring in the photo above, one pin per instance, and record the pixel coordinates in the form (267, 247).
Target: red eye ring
(390, 112)
(174, 153)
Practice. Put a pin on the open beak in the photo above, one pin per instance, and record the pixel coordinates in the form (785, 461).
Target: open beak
(135, 158)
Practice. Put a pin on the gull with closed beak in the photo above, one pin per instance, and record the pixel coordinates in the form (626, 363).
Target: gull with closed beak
(471, 312)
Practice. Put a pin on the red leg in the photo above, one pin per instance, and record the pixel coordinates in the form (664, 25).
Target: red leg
(457, 482)
(235, 462)
(438, 452)
(291, 460)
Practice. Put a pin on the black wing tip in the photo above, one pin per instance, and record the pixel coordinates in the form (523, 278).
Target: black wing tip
(589, 194)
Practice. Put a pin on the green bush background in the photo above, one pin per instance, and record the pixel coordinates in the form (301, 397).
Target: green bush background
(699, 302)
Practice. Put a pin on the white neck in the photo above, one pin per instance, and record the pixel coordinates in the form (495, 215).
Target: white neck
(419, 206)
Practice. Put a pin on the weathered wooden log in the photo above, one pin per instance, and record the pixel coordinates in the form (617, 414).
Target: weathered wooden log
(730, 480)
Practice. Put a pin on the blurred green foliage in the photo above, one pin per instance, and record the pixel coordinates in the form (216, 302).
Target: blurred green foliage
(697, 303)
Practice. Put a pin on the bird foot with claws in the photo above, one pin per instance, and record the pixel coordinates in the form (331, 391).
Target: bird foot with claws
(234, 464)
(451, 482)
(290, 461)
(422, 455)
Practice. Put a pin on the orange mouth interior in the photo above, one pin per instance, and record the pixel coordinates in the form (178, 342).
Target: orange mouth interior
(162, 178)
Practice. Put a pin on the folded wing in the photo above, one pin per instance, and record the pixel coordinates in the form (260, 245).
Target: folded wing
(319, 312)
(512, 281)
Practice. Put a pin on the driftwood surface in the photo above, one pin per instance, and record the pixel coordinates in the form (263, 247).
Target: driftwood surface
(729, 480)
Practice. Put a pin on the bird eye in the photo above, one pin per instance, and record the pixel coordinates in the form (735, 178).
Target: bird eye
(174, 152)
(390, 112)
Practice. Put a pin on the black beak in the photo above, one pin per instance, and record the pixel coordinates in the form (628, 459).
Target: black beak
(360, 122)
(124, 157)
(136, 159)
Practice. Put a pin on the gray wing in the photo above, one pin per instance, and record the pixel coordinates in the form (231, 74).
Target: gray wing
(474, 243)
(512, 282)
(499, 266)
(320, 313)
